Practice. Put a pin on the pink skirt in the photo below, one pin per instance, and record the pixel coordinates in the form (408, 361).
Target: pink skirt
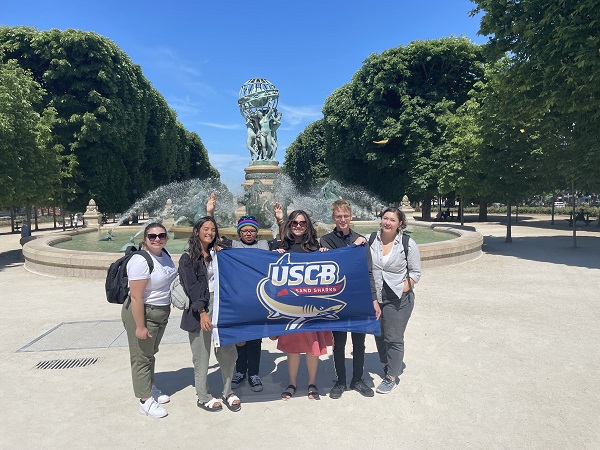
(313, 342)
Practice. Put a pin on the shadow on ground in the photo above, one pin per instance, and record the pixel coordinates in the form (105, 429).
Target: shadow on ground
(586, 254)
(274, 376)
(11, 258)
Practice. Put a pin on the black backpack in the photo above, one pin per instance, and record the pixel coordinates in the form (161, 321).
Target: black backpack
(117, 287)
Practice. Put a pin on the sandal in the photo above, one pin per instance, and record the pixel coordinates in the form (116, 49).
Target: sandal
(289, 392)
(211, 405)
(313, 392)
(235, 407)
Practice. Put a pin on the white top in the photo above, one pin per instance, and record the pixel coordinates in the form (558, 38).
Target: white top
(157, 290)
(211, 272)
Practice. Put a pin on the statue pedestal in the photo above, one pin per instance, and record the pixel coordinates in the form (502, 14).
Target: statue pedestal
(258, 191)
(92, 217)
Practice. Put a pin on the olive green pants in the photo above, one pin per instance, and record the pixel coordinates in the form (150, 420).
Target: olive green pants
(142, 351)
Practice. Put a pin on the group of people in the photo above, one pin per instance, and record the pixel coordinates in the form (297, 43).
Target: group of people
(394, 268)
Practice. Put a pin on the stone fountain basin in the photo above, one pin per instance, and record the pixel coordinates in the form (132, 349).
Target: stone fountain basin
(42, 258)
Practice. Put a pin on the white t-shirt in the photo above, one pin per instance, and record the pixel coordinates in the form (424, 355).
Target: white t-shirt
(157, 291)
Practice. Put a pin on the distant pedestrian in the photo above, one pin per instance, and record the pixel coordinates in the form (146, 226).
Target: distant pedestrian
(75, 220)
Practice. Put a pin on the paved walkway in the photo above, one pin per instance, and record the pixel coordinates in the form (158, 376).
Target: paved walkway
(502, 352)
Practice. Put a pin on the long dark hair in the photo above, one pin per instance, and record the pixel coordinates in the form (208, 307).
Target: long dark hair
(401, 216)
(194, 247)
(309, 238)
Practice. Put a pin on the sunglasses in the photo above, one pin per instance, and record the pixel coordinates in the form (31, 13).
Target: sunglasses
(247, 218)
(153, 236)
(299, 223)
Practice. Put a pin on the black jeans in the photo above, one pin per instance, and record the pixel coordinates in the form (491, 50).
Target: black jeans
(339, 355)
(249, 357)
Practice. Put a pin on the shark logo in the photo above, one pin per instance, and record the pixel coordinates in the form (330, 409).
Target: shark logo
(301, 292)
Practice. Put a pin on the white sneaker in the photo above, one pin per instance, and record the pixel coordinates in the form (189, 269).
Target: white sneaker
(152, 409)
(159, 396)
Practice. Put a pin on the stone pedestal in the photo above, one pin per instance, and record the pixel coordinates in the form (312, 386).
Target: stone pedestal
(92, 217)
(258, 191)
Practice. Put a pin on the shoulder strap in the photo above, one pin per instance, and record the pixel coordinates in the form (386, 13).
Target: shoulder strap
(149, 259)
(405, 242)
(372, 238)
(405, 239)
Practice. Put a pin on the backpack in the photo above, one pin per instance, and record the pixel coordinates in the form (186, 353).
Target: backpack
(117, 283)
(179, 298)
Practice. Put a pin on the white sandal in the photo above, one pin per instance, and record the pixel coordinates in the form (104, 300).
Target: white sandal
(235, 407)
(210, 405)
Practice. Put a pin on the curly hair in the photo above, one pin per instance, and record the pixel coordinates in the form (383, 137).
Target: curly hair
(194, 247)
(309, 238)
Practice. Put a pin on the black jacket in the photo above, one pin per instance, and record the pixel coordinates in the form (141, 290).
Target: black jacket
(336, 239)
(196, 287)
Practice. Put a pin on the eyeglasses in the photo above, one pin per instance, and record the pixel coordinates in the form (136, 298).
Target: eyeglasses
(153, 236)
(299, 223)
(251, 231)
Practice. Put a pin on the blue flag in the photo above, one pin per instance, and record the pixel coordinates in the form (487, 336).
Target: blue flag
(260, 293)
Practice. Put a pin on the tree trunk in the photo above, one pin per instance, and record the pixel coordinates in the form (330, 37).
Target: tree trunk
(54, 215)
(426, 210)
(62, 213)
(573, 215)
(483, 211)
(35, 218)
(28, 215)
(508, 224)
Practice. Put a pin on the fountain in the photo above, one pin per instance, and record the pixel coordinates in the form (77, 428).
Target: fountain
(263, 186)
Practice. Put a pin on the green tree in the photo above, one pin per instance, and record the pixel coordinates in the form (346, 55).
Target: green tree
(554, 65)
(305, 157)
(397, 97)
(29, 160)
(117, 132)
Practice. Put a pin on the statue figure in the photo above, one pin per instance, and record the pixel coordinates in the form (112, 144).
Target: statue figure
(107, 237)
(272, 137)
(405, 201)
(258, 105)
(251, 138)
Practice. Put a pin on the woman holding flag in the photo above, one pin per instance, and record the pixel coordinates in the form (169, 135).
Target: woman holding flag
(299, 235)
(197, 276)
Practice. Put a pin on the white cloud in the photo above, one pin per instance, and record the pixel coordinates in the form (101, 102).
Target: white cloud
(295, 115)
(222, 126)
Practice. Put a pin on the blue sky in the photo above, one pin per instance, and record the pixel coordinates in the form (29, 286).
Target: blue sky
(199, 53)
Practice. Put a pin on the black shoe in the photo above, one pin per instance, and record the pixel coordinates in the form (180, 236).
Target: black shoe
(337, 390)
(362, 388)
